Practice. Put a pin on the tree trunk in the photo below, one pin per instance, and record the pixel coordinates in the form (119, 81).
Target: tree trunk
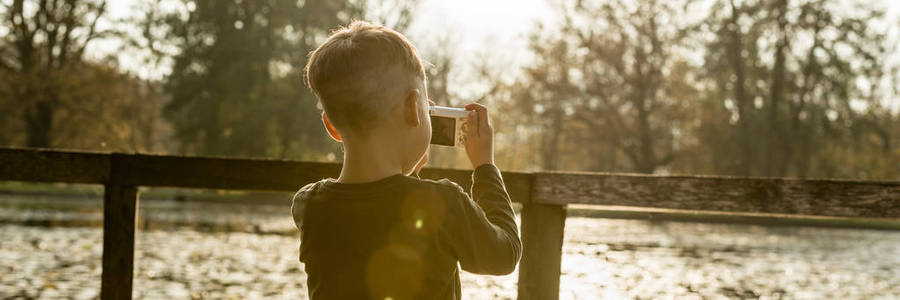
(745, 161)
(775, 164)
(38, 124)
(550, 152)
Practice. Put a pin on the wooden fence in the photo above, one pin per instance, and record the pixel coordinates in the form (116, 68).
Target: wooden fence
(543, 195)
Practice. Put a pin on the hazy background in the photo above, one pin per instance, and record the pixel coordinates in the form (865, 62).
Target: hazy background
(759, 88)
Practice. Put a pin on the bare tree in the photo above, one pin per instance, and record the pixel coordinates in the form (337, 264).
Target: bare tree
(608, 77)
(44, 46)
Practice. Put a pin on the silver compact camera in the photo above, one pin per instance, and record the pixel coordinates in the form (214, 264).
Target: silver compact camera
(448, 126)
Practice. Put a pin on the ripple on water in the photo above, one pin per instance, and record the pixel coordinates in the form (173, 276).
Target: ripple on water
(603, 259)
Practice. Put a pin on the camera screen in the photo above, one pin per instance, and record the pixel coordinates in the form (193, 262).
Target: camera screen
(443, 130)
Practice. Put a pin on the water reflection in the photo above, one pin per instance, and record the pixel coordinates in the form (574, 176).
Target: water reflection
(195, 250)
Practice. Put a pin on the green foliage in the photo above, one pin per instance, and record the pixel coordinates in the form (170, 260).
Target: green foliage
(781, 88)
(52, 97)
(756, 88)
(788, 72)
(237, 82)
(608, 85)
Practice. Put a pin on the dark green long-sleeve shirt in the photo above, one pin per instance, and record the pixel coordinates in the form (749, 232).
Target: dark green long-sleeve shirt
(401, 237)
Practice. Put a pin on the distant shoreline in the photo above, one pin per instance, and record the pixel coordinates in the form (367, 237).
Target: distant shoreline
(56, 198)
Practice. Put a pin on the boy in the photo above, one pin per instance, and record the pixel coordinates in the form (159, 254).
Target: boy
(375, 232)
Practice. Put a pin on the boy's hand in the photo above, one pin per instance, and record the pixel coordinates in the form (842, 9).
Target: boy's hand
(479, 136)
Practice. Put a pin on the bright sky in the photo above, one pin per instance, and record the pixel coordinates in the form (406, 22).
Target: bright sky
(477, 24)
(471, 29)
(469, 24)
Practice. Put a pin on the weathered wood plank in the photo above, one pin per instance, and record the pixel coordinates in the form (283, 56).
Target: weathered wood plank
(53, 166)
(41, 165)
(843, 198)
(261, 174)
(119, 207)
(542, 238)
(786, 196)
(716, 217)
(518, 185)
(219, 173)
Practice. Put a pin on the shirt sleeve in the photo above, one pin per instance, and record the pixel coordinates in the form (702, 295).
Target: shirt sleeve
(298, 204)
(484, 235)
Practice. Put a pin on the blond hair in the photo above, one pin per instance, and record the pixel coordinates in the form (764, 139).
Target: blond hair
(358, 70)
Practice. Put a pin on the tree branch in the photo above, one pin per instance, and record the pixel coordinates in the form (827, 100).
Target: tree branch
(92, 30)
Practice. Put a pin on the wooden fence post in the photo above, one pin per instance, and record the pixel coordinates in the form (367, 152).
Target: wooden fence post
(542, 239)
(119, 207)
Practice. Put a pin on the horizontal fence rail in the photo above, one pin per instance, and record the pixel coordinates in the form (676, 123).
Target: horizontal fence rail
(840, 198)
(194, 172)
(543, 195)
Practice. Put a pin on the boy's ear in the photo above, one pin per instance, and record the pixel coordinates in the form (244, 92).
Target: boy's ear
(332, 132)
(411, 109)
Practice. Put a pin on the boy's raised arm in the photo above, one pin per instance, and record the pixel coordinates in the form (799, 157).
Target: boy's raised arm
(485, 238)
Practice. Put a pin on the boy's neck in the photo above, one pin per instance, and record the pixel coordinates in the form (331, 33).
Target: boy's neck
(371, 160)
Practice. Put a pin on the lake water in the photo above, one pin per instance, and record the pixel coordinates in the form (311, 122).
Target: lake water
(51, 249)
